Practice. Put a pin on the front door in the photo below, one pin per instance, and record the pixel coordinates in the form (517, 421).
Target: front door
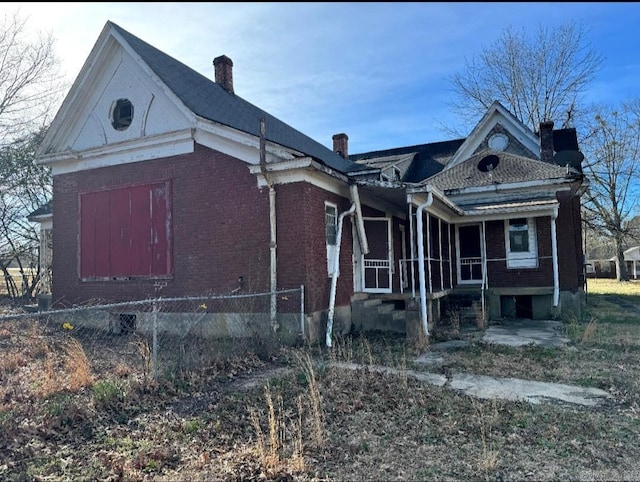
(376, 266)
(469, 254)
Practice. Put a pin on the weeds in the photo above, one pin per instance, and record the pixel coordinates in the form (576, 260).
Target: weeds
(490, 457)
(272, 447)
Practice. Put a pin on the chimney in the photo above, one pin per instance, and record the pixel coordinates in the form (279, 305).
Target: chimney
(341, 145)
(224, 72)
(546, 141)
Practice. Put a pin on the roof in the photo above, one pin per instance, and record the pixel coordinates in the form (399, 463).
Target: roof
(211, 101)
(510, 168)
(428, 159)
(44, 210)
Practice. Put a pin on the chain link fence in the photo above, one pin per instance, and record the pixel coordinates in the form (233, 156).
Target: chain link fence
(153, 338)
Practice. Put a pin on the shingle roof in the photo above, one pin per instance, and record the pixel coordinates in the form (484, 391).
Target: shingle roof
(209, 100)
(429, 159)
(510, 169)
(43, 210)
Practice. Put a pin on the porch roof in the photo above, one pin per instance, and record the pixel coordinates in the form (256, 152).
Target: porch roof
(502, 210)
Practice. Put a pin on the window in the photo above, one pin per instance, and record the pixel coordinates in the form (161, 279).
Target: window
(521, 243)
(331, 230)
(122, 114)
(125, 233)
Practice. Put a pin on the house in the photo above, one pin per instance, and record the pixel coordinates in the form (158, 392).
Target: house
(166, 183)
(43, 215)
(632, 258)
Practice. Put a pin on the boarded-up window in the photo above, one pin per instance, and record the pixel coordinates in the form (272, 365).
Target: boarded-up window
(126, 232)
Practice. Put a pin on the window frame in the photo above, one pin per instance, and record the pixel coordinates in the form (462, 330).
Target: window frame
(331, 247)
(522, 259)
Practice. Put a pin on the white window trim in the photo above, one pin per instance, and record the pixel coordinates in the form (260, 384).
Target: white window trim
(527, 259)
(331, 248)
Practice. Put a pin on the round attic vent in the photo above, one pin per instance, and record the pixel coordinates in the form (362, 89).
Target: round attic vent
(121, 114)
(488, 163)
(498, 142)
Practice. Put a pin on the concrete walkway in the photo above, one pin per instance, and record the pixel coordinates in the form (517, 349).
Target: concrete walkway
(503, 388)
(515, 333)
(545, 333)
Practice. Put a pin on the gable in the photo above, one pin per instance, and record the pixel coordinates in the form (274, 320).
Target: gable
(82, 134)
(173, 107)
(498, 121)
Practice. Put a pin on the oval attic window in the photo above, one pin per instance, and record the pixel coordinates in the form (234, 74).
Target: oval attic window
(122, 114)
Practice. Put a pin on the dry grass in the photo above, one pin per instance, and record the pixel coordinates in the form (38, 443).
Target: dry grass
(613, 287)
(313, 422)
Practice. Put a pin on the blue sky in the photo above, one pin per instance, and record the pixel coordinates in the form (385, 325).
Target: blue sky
(376, 71)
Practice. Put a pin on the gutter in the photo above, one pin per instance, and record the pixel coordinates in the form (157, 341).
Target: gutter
(334, 274)
(554, 253)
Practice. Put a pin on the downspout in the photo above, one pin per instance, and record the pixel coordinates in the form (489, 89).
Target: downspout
(554, 253)
(484, 268)
(334, 274)
(421, 275)
(273, 278)
(362, 235)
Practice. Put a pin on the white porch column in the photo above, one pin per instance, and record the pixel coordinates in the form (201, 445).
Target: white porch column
(554, 253)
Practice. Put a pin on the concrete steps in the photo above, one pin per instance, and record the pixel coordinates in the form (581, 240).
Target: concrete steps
(376, 314)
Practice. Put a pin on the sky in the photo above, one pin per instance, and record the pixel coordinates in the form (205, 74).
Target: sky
(378, 72)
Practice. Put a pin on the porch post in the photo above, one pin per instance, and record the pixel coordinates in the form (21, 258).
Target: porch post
(450, 258)
(554, 252)
(440, 255)
(413, 251)
(429, 251)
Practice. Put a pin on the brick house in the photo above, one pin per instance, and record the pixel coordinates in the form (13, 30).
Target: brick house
(167, 183)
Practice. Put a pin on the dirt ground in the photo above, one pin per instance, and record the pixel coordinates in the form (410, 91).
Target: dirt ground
(291, 414)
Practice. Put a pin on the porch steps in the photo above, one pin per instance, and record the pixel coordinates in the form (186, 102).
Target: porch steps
(376, 314)
(467, 303)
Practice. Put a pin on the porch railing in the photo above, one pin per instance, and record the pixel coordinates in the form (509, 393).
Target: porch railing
(409, 280)
(469, 267)
(377, 266)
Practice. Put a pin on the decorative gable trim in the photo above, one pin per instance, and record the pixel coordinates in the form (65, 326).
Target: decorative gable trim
(497, 114)
(143, 149)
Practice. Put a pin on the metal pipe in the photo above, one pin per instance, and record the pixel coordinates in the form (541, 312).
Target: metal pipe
(421, 274)
(334, 274)
(554, 254)
(484, 268)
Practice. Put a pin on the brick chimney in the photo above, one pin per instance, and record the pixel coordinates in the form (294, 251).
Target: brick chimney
(224, 72)
(546, 141)
(341, 145)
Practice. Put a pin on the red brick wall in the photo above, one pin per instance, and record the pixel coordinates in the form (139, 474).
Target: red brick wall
(569, 236)
(214, 200)
(302, 251)
(569, 229)
(499, 276)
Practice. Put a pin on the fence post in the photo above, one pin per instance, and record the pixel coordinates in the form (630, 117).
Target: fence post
(155, 340)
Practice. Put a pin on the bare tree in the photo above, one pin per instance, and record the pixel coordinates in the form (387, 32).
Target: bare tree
(31, 88)
(613, 146)
(24, 187)
(30, 82)
(537, 77)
